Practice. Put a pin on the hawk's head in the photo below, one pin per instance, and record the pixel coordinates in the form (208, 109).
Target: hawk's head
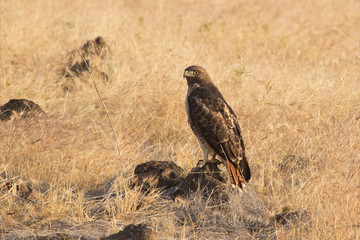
(196, 74)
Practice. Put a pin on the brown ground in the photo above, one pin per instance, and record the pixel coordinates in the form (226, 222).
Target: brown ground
(289, 69)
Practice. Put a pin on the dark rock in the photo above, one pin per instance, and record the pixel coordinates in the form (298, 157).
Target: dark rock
(207, 179)
(78, 68)
(91, 57)
(22, 107)
(157, 174)
(134, 232)
(95, 46)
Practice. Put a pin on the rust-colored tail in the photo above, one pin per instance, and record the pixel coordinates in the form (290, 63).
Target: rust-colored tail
(235, 175)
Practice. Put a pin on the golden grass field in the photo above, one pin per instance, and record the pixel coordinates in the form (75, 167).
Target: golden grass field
(289, 69)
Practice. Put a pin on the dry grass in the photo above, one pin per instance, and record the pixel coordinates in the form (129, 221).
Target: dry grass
(290, 70)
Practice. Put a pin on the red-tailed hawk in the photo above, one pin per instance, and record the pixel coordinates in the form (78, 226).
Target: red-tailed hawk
(215, 125)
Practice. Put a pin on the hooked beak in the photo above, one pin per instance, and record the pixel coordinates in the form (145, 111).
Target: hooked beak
(188, 74)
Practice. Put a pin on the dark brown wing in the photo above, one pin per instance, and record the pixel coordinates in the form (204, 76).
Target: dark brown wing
(243, 163)
(219, 127)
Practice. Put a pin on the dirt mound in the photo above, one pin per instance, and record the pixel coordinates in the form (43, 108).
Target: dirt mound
(21, 107)
(204, 198)
(157, 174)
(94, 56)
(134, 232)
(207, 180)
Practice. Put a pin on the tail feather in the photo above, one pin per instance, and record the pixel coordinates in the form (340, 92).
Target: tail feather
(245, 169)
(235, 176)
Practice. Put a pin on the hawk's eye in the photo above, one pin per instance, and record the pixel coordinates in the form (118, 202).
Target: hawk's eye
(196, 72)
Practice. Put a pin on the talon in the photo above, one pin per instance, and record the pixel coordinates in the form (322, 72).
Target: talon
(217, 161)
(200, 164)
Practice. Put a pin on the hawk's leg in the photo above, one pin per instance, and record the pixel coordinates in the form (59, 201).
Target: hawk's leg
(202, 162)
(205, 159)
